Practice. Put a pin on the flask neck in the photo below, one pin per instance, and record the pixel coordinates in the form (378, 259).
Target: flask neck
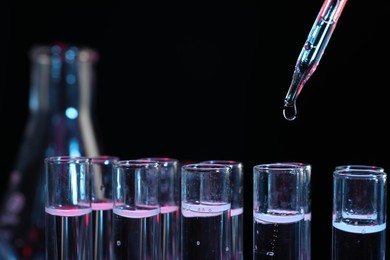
(62, 97)
(62, 80)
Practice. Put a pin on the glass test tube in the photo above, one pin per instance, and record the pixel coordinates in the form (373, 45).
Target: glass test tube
(68, 208)
(237, 206)
(359, 213)
(136, 225)
(205, 219)
(306, 205)
(278, 213)
(102, 169)
(169, 197)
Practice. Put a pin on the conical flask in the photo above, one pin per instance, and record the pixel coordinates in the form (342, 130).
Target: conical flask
(61, 102)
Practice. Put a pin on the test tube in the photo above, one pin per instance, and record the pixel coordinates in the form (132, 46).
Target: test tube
(102, 169)
(306, 237)
(359, 213)
(306, 205)
(136, 225)
(169, 197)
(68, 229)
(205, 198)
(278, 213)
(237, 206)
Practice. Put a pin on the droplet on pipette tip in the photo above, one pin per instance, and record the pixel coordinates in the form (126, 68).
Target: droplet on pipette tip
(290, 110)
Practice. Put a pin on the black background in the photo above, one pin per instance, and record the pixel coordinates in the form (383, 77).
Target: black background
(206, 80)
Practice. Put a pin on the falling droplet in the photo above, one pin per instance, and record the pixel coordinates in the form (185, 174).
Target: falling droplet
(290, 111)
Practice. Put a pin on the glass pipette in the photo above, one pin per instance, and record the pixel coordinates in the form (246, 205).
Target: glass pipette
(312, 51)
